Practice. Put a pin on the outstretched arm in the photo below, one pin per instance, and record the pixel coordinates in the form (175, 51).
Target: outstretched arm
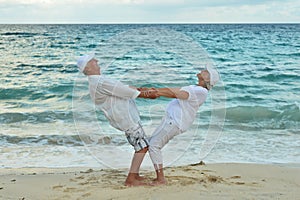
(149, 94)
(166, 92)
(172, 93)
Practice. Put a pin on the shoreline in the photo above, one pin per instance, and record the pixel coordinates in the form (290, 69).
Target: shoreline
(210, 181)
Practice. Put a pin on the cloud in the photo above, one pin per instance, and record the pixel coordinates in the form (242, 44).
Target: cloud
(185, 3)
(271, 12)
(101, 11)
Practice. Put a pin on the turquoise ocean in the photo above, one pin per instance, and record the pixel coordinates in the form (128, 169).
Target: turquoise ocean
(48, 120)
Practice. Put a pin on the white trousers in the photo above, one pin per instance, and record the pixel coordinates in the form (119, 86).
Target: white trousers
(160, 137)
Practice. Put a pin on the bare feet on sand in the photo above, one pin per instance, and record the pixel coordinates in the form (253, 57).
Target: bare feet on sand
(158, 182)
(134, 179)
(139, 178)
(135, 182)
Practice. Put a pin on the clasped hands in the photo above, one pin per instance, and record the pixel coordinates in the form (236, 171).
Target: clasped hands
(149, 93)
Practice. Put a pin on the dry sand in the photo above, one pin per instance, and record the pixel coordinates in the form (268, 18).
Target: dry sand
(211, 181)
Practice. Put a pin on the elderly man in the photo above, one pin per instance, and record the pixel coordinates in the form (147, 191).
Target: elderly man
(180, 114)
(116, 101)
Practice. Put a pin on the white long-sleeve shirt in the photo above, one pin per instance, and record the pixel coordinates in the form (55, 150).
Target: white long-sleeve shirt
(116, 100)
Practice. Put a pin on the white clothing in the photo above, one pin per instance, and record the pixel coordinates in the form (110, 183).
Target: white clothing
(184, 111)
(160, 137)
(116, 100)
(180, 114)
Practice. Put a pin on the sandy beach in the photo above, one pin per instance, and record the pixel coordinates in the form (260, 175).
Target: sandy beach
(196, 181)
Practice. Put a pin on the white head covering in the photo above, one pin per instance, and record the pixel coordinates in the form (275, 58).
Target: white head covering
(214, 76)
(83, 60)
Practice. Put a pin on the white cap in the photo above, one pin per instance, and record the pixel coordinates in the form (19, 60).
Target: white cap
(214, 76)
(83, 60)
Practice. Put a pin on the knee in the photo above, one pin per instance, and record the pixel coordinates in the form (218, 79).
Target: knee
(154, 147)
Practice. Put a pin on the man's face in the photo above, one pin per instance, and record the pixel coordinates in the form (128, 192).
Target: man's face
(203, 76)
(92, 63)
(92, 66)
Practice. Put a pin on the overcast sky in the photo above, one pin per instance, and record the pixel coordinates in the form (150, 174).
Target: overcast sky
(149, 11)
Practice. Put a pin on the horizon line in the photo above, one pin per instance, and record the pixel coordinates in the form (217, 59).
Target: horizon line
(137, 23)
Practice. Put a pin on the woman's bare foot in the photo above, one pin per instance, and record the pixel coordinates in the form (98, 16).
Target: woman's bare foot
(158, 182)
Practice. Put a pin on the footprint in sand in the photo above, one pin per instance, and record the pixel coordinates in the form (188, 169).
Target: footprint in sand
(207, 170)
(79, 177)
(235, 177)
(87, 171)
(239, 183)
(57, 187)
(84, 183)
(182, 180)
(86, 194)
(70, 189)
(190, 170)
(215, 179)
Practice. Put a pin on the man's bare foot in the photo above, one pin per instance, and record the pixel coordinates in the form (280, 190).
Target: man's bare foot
(139, 178)
(135, 182)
